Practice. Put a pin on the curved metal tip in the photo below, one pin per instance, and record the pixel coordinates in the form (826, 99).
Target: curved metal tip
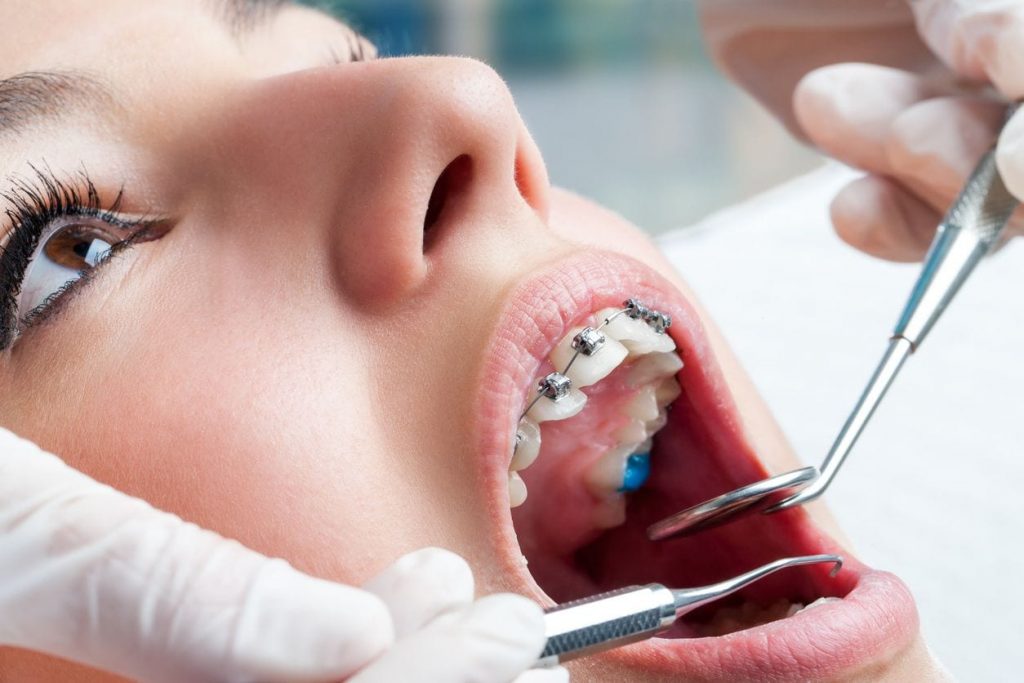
(689, 599)
(836, 560)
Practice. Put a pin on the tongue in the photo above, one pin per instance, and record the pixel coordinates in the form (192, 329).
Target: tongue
(561, 514)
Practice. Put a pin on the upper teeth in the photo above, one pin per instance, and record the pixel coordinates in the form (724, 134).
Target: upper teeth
(652, 366)
(516, 489)
(587, 370)
(527, 446)
(586, 356)
(636, 335)
(525, 451)
(563, 408)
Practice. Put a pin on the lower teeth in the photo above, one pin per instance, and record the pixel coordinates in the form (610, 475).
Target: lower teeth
(748, 615)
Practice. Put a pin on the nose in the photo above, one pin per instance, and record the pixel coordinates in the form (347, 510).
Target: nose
(382, 159)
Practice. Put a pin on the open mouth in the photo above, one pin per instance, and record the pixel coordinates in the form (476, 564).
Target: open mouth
(648, 428)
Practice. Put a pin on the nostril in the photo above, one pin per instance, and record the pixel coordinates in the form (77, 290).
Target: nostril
(522, 177)
(531, 176)
(452, 181)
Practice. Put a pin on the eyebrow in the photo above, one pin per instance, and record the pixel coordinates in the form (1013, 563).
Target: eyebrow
(34, 96)
(243, 16)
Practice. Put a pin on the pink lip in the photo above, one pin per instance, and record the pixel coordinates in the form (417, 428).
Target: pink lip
(877, 615)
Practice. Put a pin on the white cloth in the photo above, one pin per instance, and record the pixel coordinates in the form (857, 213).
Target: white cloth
(933, 490)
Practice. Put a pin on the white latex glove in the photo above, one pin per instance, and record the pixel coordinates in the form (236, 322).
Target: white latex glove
(917, 130)
(767, 46)
(92, 575)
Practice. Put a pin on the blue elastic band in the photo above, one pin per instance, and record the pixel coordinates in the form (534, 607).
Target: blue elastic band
(638, 468)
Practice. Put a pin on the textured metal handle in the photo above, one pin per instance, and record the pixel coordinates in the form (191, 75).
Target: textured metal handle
(605, 621)
(970, 229)
(984, 204)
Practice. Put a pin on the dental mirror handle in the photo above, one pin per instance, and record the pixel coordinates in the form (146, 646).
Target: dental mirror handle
(969, 230)
(627, 615)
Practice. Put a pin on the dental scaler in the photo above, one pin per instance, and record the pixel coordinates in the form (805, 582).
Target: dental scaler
(969, 231)
(628, 615)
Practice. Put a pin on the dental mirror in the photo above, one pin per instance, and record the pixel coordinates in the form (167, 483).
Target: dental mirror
(970, 229)
(750, 498)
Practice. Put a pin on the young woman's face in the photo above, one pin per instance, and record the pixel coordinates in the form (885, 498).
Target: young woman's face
(313, 294)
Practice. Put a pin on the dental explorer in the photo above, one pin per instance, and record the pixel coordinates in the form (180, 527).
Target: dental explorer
(969, 230)
(628, 615)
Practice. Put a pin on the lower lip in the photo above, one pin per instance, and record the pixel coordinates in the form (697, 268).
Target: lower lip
(875, 619)
(873, 622)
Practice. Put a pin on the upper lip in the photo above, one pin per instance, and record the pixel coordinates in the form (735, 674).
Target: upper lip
(876, 616)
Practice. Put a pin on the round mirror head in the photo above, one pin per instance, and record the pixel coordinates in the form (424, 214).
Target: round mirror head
(750, 498)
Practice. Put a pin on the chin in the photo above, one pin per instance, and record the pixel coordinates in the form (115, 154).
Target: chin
(575, 535)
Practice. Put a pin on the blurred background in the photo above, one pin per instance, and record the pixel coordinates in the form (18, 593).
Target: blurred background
(620, 97)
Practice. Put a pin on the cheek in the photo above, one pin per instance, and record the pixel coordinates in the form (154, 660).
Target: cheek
(579, 220)
(576, 219)
(204, 421)
(263, 413)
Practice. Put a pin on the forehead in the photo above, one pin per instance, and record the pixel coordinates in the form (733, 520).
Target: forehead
(37, 34)
(122, 37)
(157, 60)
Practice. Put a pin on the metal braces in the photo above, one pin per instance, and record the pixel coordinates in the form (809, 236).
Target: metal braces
(656, 319)
(588, 341)
(659, 321)
(635, 310)
(555, 386)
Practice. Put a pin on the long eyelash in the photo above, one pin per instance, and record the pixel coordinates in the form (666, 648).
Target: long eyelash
(39, 312)
(33, 204)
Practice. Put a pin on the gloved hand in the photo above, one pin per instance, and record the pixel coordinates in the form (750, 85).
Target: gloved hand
(767, 47)
(917, 130)
(92, 575)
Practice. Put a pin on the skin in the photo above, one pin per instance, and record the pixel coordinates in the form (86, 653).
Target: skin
(262, 370)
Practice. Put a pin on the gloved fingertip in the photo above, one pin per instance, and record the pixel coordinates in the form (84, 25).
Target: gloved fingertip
(509, 620)
(1010, 155)
(935, 144)
(496, 638)
(422, 586)
(856, 207)
(979, 40)
(814, 104)
(939, 23)
(300, 627)
(846, 109)
(880, 218)
(436, 561)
